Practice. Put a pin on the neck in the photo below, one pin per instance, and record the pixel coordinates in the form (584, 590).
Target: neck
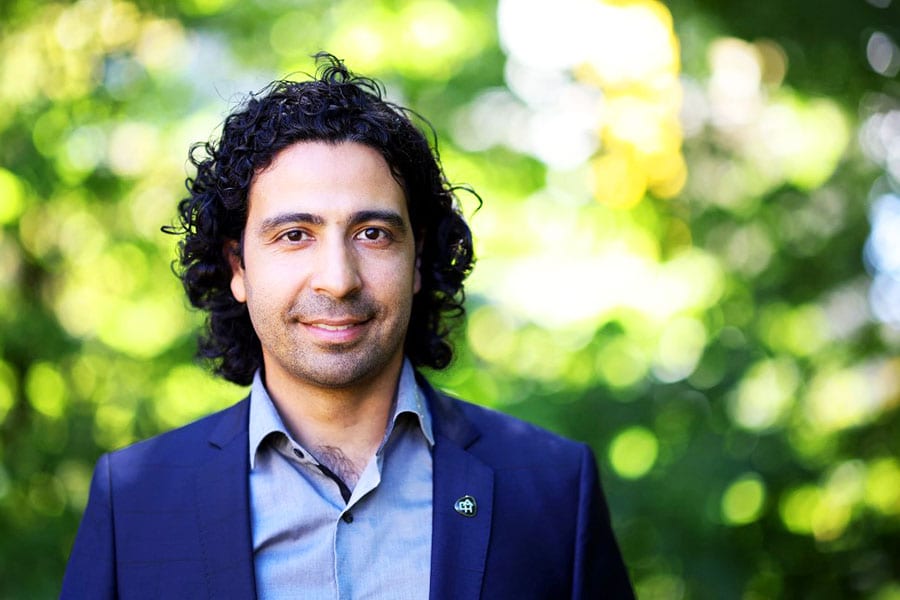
(343, 427)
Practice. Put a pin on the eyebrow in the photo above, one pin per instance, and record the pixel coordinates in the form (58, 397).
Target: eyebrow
(289, 218)
(389, 217)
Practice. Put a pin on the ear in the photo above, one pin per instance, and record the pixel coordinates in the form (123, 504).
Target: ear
(232, 250)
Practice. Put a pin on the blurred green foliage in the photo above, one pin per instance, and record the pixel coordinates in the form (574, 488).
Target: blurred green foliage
(689, 255)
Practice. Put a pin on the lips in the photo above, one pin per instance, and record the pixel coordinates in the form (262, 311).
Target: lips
(335, 324)
(328, 327)
(336, 332)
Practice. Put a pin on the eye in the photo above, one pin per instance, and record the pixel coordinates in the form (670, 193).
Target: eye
(373, 234)
(294, 235)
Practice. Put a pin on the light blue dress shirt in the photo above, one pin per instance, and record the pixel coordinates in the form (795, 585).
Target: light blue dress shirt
(308, 542)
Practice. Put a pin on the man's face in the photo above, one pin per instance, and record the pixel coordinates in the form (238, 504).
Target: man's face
(329, 266)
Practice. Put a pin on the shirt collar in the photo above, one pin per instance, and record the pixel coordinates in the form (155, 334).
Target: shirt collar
(411, 399)
(264, 417)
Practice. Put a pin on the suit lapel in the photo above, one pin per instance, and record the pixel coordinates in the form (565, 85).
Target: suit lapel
(458, 543)
(223, 509)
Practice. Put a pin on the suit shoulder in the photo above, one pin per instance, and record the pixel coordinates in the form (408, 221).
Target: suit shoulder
(180, 442)
(514, 437)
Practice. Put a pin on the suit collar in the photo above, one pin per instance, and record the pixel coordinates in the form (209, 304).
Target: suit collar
(459, 544)
(448, 419)
(230, 423)
(223, 508)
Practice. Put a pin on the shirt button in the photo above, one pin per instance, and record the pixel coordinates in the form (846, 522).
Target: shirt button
(347, 517)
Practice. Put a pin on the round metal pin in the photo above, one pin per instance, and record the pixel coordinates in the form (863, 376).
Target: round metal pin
(466, 506)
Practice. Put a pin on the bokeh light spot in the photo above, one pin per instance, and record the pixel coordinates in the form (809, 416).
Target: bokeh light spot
(363, 42)
(133, 147)
(882, 487)
(744, 499)
(7, 389)
(799, 330)
(47, 130)
(773, 60)
(174, 408)
(842, 398)
(618, 179)
(45, 388)
(72, 30)
(825, 512)
(143, 327)
(75, 477)
(679, 349)
(734, 83)
(797, 507)
(883, 54)
(883, 245)
(83, 150)
(633, 452)
(621, 362)
(884, 297)
(491, 334)
(161, 45)
(435, 38)
(805, 139)
(660, 586)
(119, 24)
(431, 24)
(204, 7)
(12, 197)
(765, 394)
(113, 425)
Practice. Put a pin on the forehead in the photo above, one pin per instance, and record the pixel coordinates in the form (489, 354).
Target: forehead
(327, 178)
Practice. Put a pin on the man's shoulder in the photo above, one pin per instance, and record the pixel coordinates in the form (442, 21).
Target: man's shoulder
(499, 423)
(182, 444)
(503, 435)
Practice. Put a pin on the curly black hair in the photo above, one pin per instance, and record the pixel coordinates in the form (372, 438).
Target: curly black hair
(334, 106)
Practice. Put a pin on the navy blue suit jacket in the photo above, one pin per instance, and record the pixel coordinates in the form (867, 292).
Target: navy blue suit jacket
(170, 518)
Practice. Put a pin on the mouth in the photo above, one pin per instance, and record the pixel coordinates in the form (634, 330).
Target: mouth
(336, 331)
(328, 327)
(332, 324)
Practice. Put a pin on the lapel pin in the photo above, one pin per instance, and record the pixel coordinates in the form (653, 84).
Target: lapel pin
(466, 506)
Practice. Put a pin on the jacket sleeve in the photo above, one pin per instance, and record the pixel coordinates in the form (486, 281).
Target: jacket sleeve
(599, 569)
(91, 571)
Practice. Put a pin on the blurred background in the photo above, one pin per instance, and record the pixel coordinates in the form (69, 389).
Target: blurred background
(689, 255)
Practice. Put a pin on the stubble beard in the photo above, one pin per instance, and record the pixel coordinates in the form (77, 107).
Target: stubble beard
(337, 366)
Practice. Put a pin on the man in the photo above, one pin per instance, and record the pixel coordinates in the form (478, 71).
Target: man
(325, 243)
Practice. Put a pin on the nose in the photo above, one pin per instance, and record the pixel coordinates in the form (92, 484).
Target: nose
(336, 271)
